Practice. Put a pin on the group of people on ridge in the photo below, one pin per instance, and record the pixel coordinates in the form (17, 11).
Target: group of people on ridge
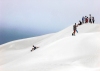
(89, 19)
(84, 20)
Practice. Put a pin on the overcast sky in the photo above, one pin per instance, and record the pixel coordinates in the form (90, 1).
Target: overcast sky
(45, 16)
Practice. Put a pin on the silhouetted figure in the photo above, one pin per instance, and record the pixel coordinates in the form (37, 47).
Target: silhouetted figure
(90, 21)
(86, 20)
(83, 19)
(74, 29)
(34, 48)
(93, 20)
(80, 23)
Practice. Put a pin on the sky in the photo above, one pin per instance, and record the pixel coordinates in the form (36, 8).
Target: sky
(41, 17)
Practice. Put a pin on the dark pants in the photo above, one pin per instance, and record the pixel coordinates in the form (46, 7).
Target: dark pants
(93, 21)
(34, 48)
(90, 21)
(74, 32)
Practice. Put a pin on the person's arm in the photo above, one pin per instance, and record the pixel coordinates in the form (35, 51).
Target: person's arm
(77, 25)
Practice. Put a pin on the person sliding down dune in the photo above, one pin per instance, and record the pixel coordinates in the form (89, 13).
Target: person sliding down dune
(34, 48)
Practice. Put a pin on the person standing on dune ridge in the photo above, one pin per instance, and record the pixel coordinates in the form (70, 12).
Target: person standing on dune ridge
(74, 29)
(93, 20)
(90, 21)
(83, 19)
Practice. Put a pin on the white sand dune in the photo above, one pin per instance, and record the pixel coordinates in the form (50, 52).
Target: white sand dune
(58, 51)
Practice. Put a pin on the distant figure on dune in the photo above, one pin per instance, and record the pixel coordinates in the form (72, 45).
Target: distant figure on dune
(93, 20)
(74, 29)
(80, 23)
(83, 19)
(34, 48)
(86, 19)
(90, 21)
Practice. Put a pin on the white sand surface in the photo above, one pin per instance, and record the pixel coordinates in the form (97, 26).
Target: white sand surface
(57, 51)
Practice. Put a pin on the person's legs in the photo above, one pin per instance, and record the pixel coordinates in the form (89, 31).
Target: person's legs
(93, 21)
(72, 34)
(76, 31)
(32, 49)
(89, 20)
(82, 21)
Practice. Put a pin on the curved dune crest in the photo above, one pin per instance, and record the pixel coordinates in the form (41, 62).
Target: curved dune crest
(58, 51)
